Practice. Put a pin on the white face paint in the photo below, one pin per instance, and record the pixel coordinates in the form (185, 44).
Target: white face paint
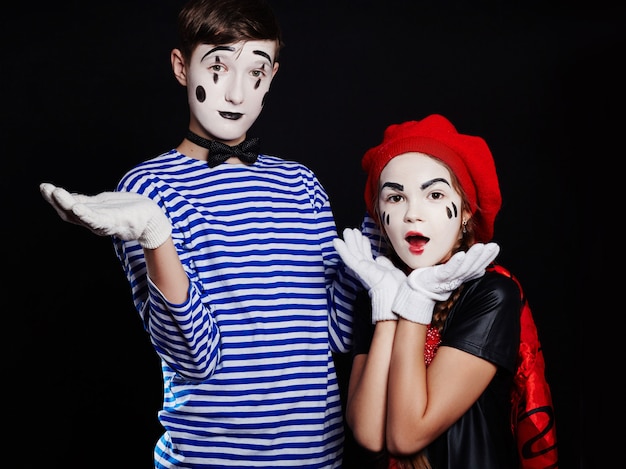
(226, 86)
(419, 209)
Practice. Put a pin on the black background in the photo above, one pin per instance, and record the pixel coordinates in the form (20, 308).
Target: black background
(88, 92)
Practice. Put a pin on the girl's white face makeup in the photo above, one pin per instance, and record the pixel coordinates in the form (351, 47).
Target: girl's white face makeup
(419, 210)
(226, 86)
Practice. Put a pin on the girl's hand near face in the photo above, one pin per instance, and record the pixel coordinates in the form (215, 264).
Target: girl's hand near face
(381, 278)
(417, 295)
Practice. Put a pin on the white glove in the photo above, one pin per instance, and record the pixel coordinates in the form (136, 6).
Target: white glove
(127, 215)
(381, 278)
(416, 297)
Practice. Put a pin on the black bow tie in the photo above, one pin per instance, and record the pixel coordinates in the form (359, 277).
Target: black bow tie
(247, 151)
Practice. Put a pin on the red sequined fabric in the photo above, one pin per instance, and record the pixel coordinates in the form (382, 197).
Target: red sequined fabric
(432, 344)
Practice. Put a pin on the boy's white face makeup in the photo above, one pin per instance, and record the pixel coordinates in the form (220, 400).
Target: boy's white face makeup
(419, 209)
(226, 86)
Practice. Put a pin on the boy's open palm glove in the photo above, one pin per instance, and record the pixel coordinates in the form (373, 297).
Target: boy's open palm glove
(416, 297)
(381, 278)
(127, 215)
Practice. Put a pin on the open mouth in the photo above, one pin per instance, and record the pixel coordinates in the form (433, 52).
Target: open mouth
(231, 115)
(417, 241)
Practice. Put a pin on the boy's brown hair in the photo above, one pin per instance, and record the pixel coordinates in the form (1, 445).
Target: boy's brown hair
(226, 22)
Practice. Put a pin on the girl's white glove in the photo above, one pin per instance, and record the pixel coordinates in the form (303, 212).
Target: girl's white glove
(379, 276)
(416, 297)
(127, 215)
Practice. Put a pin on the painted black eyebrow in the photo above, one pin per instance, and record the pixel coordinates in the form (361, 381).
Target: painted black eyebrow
(433, 181)
(393, 185)
(231, 49)
(218, 48)
(263, 54)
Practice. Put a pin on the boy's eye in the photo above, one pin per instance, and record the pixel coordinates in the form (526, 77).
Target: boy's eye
(257, 73)
(436, 195)
(216, 67)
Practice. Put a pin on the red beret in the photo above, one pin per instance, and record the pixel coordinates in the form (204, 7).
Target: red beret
(468, 156)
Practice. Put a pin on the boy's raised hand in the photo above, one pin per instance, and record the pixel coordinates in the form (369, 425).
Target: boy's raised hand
(127, 215)
(381, 278)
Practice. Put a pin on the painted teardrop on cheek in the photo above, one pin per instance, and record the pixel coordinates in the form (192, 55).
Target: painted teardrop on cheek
(200, 94)
(450, 212)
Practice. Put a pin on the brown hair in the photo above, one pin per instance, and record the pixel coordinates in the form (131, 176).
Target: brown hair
(219, 22)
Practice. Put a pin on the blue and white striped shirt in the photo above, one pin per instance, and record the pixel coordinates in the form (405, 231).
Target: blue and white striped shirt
(249, 378)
